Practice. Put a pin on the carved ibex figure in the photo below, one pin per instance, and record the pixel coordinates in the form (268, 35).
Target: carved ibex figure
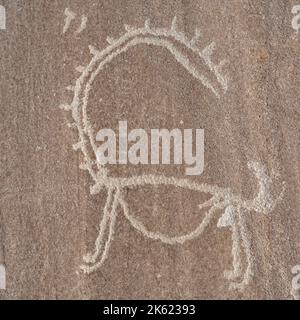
(235, 208)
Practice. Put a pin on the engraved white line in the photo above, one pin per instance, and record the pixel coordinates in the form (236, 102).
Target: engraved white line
(236, 208)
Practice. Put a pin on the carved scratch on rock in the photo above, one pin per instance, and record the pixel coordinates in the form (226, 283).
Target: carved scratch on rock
(236, 208)
(69, 17)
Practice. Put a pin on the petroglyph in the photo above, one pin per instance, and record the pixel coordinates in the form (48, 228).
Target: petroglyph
(2, 18)
(296, 18)
(83, 24)
(234, 206)
(69, 17)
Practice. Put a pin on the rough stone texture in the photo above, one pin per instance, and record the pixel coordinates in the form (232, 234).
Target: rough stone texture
(49, 220)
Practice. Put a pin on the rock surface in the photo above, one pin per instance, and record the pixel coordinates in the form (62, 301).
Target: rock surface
(49, 218)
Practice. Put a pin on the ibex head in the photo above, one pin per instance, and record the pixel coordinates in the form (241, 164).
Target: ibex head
(265, 201)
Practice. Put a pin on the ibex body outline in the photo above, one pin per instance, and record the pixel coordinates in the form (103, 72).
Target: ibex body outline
(235, 207)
